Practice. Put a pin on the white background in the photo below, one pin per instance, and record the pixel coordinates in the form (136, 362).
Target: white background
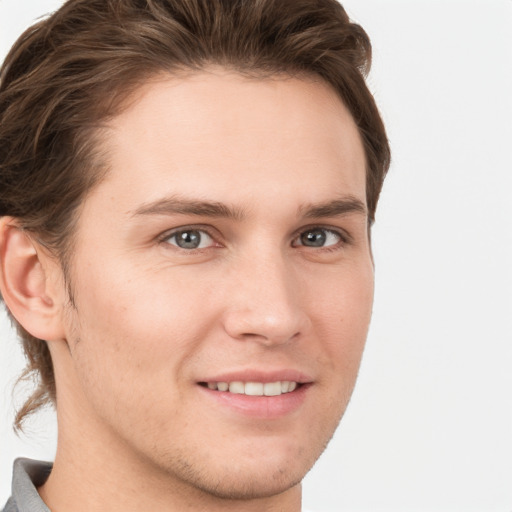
(430, 424)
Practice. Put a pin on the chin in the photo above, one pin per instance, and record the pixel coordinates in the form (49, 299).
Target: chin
(249, 485)
(235, 475)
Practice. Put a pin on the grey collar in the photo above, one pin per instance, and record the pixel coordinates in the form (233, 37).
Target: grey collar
(27, 476)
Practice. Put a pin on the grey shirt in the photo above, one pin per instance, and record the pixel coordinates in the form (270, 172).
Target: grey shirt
(27, 475)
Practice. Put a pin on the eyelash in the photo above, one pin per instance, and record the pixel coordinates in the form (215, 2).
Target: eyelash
(168, 235)
(344, 238)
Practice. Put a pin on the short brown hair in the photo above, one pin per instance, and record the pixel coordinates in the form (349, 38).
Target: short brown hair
(70, 72)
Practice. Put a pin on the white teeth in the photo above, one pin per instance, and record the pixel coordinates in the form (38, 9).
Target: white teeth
(237, 387)
(254, 388)
(272, 389)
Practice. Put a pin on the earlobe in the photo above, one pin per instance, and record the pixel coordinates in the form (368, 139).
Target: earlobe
(25, 285)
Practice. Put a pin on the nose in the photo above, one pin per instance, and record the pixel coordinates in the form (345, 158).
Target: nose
(266, 303)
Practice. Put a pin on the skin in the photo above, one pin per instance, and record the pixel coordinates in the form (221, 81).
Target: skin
(151, 320)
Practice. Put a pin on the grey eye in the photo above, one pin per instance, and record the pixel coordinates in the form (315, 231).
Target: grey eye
(319, 237)
(315, 238)
(190, 239)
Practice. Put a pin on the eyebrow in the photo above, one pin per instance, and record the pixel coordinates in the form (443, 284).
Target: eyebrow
(183, 206)
(335, 208)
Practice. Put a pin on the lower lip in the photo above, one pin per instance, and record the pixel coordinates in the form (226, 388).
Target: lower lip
(264, 407)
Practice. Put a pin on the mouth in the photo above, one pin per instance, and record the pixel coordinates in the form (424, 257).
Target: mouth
(268, 394)
(254, 388)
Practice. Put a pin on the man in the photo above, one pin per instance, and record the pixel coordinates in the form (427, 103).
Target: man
(187, 190)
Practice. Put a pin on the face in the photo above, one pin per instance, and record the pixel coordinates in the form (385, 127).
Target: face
(222, 281)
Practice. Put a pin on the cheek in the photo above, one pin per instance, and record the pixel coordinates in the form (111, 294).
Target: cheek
(139, 329)
(342, 313)
(142, 309)
(130, 344)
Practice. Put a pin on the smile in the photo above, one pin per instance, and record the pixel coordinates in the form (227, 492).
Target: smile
(254, 388)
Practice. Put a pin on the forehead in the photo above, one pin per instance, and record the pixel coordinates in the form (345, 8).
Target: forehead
(213, 132)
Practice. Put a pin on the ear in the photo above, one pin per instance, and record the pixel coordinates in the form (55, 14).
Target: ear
(30, 282)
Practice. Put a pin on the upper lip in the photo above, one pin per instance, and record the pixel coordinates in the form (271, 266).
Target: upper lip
(256, 375)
